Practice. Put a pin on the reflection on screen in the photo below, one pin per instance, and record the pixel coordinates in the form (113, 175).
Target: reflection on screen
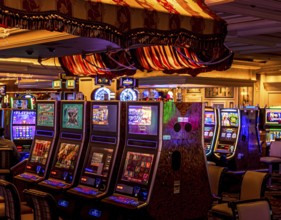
(229, 119)
(143, 120)
(40, 151)
(45, 114)
(67, 155)
(137, 167)
(99, 162)
(100, 115)
(72, 116)
(209, 118)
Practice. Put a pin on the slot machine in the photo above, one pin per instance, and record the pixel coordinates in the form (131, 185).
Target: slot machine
(249, 145)
(272, 124)
(157, 177)
(210, 130)
(70, 147)
(100, 167)
(225, 148)
(22, 132)
(45, 140)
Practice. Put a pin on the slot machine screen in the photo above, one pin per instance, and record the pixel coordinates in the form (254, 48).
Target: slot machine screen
(40, 151)
(273, 116)
(20, 103)
(72, 116)
(99, 161)
(104, 118)
(137, 167)
(45, 114)
(2, 90)
(67, 156)
(228, 134)
(142, 120)
(24, 117)
(229, 119)
(209, 118)
(209, 132)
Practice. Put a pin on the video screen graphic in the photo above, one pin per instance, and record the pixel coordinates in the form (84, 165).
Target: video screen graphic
(273, 116)
(20, 103)
(209, 132)
(143, 120)
(209, 118)
(67, 156)
(40, 151)
(99, 162)
(46, 114)
(22, 117)
(100, 115)
(229, 119)
(137, 167)
(72, 115)
(228, 134)
(104, 118)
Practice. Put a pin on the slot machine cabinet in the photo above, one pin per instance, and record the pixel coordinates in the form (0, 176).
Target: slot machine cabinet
(70, 147)
(101, 163)
(43, 146)
(210, 131)
(272, 124)
(163, 173)
(23, 123)
(225, 150)
(249, 140)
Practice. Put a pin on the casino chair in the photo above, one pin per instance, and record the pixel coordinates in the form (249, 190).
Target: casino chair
(216, 174)
(6, 156)
(257, 209)
(273, 158)
(12, 208)
(43, 204)
(252, 187)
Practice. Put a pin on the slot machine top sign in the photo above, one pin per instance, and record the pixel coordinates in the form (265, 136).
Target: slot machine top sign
(128, 94)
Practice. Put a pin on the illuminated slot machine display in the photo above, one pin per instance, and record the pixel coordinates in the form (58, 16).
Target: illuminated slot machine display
(70, 147)
(23, 122)
(43, 144)
(129, 93)
(228, 133)
(152, 181)
(272, 124)
(249, 147)
(104, 151)
(210, 130)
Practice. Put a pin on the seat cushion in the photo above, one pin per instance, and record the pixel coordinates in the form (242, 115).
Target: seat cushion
(25, 209)
(270, 160)
(27, 217)
(222, 209)
(2, 209)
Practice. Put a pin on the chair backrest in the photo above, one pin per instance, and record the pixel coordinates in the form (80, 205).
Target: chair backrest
(6, 158)
(11, 199)
(257, 209)
(275, 149)
(253, 185)
(43, 204)
(215, 178)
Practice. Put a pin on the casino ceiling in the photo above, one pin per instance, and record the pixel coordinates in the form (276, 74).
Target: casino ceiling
(168, 36)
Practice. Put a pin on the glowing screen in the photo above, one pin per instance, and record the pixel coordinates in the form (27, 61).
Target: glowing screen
(72, 115)
(67, 155)
(40, 151)
(137, 167)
